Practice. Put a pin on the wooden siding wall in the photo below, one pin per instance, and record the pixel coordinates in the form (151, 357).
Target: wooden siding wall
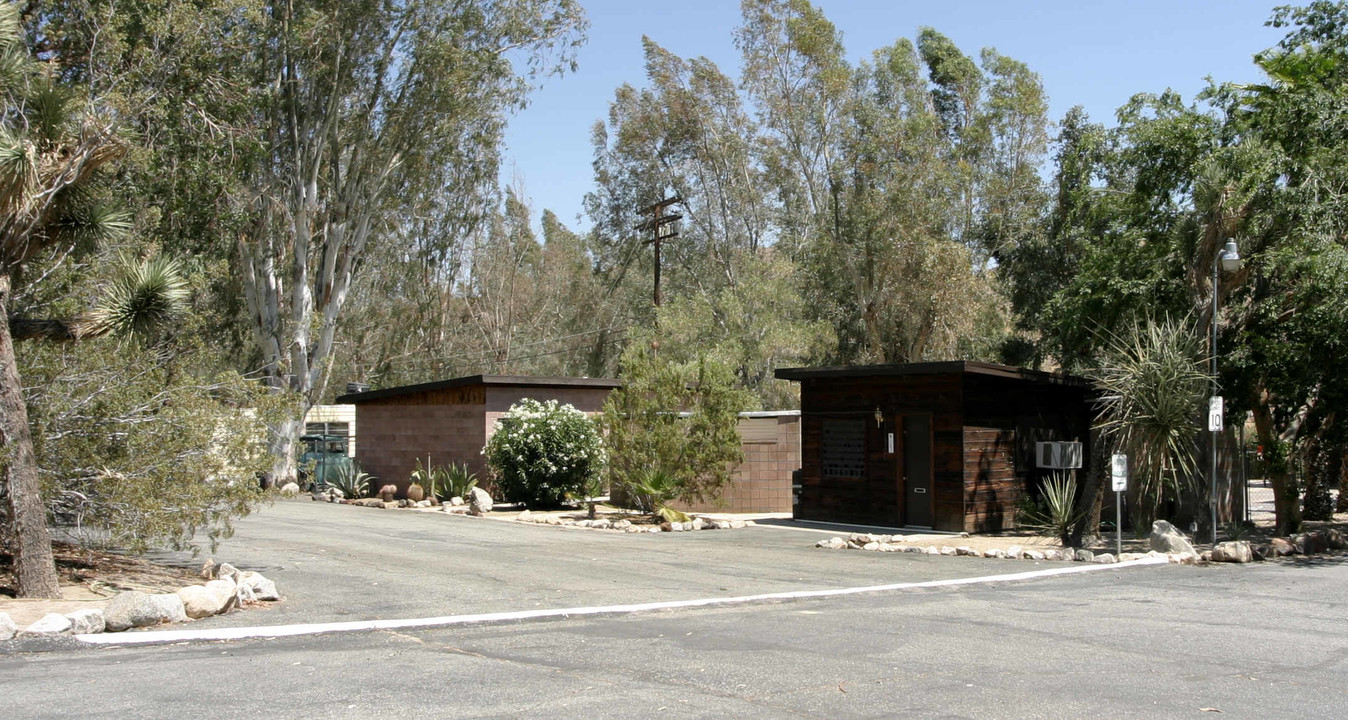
(876, 498)
(990, 484)
(1004, 418)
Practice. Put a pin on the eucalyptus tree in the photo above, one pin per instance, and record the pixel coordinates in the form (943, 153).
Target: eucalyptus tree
(727, 289)
(362, 110)
(895, 180)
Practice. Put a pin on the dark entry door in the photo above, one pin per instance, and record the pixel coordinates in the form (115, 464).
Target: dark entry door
(917, 497)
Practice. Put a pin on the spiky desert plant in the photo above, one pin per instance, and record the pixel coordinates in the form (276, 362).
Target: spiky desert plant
(459, 481)
(1154, 384)
(1058, 514)
(415, 492)
(143, 296)
(351, 481)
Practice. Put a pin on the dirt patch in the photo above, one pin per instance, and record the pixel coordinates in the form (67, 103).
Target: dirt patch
(89, 578)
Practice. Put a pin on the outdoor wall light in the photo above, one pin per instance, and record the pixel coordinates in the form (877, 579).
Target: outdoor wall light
(879, 417)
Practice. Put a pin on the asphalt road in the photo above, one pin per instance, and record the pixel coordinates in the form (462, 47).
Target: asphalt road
(341, 562)
(1264, 641)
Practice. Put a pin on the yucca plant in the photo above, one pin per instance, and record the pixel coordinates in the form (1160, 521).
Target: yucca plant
(1057, 514)
(54, 143)
(1155, 388)
(142, 297)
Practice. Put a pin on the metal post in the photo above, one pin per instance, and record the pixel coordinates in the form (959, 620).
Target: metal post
(1118, 521)
(1244, 469)
(1212, 490)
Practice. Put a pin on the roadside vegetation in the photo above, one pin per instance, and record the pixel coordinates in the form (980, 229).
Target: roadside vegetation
(332, 211)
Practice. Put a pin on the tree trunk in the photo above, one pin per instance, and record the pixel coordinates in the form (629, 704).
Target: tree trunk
(1091, 493)
(1286, 499)
(1342, 504)
(33, 561)
(285, 438)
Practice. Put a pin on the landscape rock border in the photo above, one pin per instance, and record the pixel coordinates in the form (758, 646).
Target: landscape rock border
(895, 543)
(624, 525)
(226, 588)
(1231, 551)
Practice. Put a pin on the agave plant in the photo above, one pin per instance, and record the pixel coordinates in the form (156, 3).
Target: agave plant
(459, 480)
(351, 481)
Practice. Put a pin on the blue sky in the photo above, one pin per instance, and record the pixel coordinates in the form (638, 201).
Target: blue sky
(1089, 52)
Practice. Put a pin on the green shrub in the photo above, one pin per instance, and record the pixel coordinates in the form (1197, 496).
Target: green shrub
(679, 419)
(543, 452)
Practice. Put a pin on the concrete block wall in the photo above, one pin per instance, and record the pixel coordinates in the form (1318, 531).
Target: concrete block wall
(762, 483)
(395, 436)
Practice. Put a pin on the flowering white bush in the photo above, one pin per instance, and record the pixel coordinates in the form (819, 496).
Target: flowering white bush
(542, 452)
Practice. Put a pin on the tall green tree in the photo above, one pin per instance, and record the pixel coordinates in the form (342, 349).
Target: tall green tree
(1258, 163)
(54, 142)
(364, 109)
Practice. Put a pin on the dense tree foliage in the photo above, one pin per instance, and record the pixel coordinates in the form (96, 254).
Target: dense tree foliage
(328, 175)
(1143, 209)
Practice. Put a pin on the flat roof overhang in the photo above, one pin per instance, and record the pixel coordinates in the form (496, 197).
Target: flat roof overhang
(486, 380)
(952, 367)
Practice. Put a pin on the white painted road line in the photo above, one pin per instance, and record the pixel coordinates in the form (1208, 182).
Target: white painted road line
(159, 637)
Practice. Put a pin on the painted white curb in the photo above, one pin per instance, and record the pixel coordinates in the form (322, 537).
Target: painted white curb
(156, 637)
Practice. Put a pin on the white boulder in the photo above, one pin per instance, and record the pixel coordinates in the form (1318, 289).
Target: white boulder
(86, 622)
(1166, 538)
(479, 502)
(213, 598)
(131, 609)
(1234, 551)
(49, 624)
(8, 629)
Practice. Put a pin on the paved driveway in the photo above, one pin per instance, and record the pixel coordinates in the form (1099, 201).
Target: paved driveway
(1257, 642)
(339, 562)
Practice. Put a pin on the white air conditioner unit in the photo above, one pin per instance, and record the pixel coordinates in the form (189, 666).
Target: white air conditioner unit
(1057, 455)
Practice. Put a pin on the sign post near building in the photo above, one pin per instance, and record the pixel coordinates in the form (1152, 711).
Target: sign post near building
(1118, 472)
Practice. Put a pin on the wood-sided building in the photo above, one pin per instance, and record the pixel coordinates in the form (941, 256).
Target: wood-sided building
(943, 445)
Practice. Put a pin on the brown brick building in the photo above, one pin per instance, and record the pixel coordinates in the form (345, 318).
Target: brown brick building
(762, 484)
(450, 420)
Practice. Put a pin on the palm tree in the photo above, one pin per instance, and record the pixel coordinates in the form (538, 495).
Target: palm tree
(52, 147)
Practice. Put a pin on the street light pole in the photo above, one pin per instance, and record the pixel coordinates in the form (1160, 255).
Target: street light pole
(1228, 258)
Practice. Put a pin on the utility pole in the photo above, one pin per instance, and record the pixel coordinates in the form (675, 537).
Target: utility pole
(662, 227)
